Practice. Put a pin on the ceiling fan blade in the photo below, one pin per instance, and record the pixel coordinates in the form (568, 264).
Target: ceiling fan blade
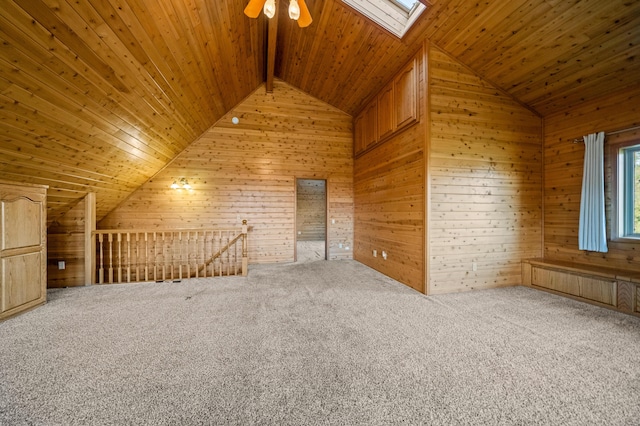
(305, 17)
(254, 8)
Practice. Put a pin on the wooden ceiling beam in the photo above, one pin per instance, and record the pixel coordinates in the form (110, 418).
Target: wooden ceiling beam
(272, 37)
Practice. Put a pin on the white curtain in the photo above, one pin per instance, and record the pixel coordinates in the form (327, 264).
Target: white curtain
(593, 231)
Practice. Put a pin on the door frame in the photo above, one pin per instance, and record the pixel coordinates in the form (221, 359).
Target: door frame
(295, 214)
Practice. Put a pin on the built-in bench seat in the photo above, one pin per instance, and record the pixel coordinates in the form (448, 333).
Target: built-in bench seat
(611, 287)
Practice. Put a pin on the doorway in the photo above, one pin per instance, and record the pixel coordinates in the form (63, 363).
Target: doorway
(311, 220)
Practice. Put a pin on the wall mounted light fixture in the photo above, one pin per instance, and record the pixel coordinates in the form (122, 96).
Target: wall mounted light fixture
(183, 183)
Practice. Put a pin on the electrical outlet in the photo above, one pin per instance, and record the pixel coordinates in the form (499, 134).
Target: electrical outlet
(346, 248)
(375, 253)
(384, 255)
(339, 245)
(474, 266)
(333, 221)
(61, 264)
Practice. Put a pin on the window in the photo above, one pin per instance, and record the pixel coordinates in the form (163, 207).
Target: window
(629, 192)
(395, 16)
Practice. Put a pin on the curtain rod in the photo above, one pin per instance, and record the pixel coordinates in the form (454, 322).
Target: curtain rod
(630, 129)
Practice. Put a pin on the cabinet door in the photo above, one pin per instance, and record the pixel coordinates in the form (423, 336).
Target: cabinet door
(359, 131)
(371, 124)
(22, 280)
(21, 223)
(386, 114)
(406, 95)
(22, 249)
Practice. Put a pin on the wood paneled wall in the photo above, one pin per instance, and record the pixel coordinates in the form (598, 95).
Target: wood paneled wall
(389, 184)
(485, 172)
(249, 170)
(563, 164)
(65, 242)
(311, 209)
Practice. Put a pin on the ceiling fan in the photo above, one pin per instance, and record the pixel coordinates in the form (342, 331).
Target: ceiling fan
(298, 10)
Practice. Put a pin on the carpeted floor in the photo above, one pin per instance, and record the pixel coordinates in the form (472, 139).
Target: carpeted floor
(320, 343)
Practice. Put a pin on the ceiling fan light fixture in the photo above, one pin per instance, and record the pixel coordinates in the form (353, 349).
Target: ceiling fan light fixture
(270, 8)
(294, 10)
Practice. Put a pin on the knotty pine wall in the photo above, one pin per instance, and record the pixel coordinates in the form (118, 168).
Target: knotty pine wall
(563, 164)
(248, 171)
(389, 184)
(65, 242)
(485, 174)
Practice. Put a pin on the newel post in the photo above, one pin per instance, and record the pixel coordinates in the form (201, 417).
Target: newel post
(90, 239)
(245, 257)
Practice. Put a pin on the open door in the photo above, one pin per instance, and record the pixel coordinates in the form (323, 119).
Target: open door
(311, 220)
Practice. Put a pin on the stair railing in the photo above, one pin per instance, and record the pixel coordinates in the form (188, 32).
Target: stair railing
(139, 255)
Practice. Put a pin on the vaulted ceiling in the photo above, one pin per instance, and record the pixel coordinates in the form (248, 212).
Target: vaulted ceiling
(99, 95)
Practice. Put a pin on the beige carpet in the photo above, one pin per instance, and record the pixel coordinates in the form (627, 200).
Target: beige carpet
(310, 251)
(319, 343)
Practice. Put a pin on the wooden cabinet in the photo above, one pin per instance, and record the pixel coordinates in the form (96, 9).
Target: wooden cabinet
(406, 95)
(393, 109)
(386, 125)
(370, 124)
(23, 258)
(366, 127)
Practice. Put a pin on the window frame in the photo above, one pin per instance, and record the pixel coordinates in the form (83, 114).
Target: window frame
(621, 215)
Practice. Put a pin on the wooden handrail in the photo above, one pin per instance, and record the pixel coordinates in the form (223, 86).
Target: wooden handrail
(135, 255)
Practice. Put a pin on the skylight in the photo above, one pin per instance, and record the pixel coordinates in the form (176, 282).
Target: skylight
(396, 16)
(407, 4)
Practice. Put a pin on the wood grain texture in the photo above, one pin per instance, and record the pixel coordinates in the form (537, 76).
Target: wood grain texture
(65, 242)
(485, 170)
(563, 176)
(389, 184)
(248, 171)
(23, 247)
(100, 95)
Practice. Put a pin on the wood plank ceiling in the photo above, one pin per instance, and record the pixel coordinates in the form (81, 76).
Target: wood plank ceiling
(99, 95)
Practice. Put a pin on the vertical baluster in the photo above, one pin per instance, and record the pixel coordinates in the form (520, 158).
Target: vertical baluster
(110, 258)
(137, 256)
(227, 253)
(213, 251)
(101, 270)
(156, 256)
(128, 260)
(204, 253)
(164, 257)
(146, 256)
(235, 258)
(170, 255)
(195, 253)
(180, 255)
(220, 257)
(119, 240)
(245, 257)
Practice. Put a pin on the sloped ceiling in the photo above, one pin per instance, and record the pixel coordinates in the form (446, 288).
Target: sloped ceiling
(99, 95)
